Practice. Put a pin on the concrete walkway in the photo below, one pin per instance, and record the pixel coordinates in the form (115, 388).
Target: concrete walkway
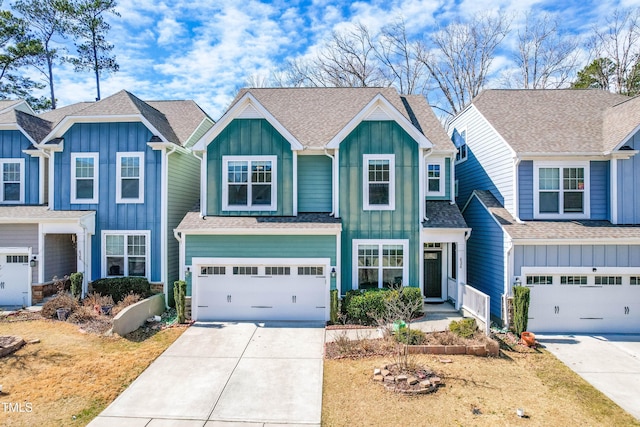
(228, 374)
(610, 363)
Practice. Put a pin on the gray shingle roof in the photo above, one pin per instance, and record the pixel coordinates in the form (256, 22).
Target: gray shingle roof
(183, 116)
(619, 121)
(55, 116)
(35, 127)
(555, 230)
(304, 221)
(548, 121)
(25, 213)
(443, 214)
(315, 115)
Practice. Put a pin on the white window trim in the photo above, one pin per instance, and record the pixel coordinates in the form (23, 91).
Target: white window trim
(466, 152)
(380, 243)
(119, 156)
(441, 163)
(561, 165)
(22, 181)
(365, 182)
(147, 261)
(225, 184)
(96, 176)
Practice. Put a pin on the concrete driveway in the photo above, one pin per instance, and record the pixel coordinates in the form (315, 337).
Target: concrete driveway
(610, 363)
(223, 374)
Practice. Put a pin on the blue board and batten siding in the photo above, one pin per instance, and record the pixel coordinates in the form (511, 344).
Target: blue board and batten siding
(575, 256)
(314, 183)
(271, 246)
(107, 139)
(629, 185)
(598, 190)
(489, 164)
(250, 137)
(379, 137)
(485, 254)
(12, 142)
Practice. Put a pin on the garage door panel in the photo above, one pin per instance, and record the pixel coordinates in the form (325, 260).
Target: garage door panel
(14, 279)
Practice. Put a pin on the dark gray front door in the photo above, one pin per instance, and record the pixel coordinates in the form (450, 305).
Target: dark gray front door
(433, 274)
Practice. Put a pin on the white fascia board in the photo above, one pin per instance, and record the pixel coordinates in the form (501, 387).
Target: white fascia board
(245, 101)
(586, 156)
(263, 232)
(626, 138)
(381, 102)
(169, 146)
(69, 121)
(15, 126)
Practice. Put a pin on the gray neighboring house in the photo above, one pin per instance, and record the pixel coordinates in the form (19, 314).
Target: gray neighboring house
(550, 184)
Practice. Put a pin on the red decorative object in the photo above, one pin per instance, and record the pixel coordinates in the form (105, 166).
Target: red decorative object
(528, 338)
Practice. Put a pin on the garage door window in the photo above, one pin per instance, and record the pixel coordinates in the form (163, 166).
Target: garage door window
(126, 254)
(310, 271)
(277, 271)
(247, 271)
(17, 259)
(208, 271)
(608, 280)
(380, 265)
(573, 280)
(634, 280)
(539, 280)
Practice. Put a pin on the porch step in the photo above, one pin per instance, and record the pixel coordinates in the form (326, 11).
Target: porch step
(442, 307)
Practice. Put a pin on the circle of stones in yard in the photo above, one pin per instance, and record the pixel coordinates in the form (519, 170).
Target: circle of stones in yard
(9, 344)
(422, 381)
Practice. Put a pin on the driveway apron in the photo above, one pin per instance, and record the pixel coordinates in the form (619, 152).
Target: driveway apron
(610, 363)
(221, 374)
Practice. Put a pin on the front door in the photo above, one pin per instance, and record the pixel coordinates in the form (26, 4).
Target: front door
(433, 274)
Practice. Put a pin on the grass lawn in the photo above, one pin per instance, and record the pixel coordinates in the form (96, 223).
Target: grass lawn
(69, 373)
(549, 392)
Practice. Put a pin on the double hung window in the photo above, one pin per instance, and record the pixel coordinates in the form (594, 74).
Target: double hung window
(249, 183)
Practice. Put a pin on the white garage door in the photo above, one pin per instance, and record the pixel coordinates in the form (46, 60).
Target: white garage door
(14, 279)
(584, 303)
(255, 290)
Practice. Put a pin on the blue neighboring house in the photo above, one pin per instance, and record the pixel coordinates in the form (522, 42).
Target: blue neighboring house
(310, 189)
(96, 187)
(549, 181)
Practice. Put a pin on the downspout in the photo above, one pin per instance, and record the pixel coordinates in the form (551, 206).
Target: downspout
(509, 270)
(203, 179)
(333, 182)
(164, 198)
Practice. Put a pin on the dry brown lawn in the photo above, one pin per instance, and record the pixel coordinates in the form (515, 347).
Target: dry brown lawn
(549, 392)
(69, 377)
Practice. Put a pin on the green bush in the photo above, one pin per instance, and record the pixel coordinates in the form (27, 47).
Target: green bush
(464, 328)
(76, 284)
(521, 295)
(412, 297)
(365, 305)
(411, 336)
(120, 287)
(333, 311)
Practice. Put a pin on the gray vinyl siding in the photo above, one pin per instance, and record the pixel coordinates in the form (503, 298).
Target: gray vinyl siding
(485, 255)
(183, 192)
(21, 236)
(599, 190)
(629, 186)
(489, 164)
(314, 183)
(60, 256)
(525, 189)
(575, 256)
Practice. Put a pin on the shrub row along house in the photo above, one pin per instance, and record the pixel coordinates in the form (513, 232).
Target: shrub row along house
(300, 191)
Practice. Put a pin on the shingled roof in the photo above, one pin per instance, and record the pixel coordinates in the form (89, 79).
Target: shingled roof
(443, 214)
(35, 127)
(315, 115)
(554, 121)
(304, 221)
(555, 230)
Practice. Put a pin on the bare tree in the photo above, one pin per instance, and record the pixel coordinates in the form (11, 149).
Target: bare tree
(619, 41)
(399, 58)
(459, 56)
(546, 58)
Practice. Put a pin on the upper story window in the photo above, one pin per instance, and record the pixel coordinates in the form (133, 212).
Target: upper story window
(126, 253)
(561, 191)
(379, 182)
(84, 177)
(130, 177)
(435, 177)
(249, 183)
(460, 141)
(12, 181)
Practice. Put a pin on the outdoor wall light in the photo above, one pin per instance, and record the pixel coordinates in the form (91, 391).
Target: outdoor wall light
(333, 272)
(518, 282)
(594, 269)
(33, 262)
(188, 272)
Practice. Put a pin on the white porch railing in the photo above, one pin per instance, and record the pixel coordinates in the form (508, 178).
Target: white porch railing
(477, 304)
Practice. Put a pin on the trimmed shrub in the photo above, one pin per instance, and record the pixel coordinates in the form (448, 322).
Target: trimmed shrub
(333, 310)
(364, 306)
(62, 300)
(411, 297)
(179, 294)
(120, 287)
(521, 296)
(465, 328)
(76, 283)
(410, 336)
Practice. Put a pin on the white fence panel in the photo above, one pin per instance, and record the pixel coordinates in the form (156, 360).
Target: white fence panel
(477, 304)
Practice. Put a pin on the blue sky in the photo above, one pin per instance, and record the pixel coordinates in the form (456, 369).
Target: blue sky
(206, 50)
